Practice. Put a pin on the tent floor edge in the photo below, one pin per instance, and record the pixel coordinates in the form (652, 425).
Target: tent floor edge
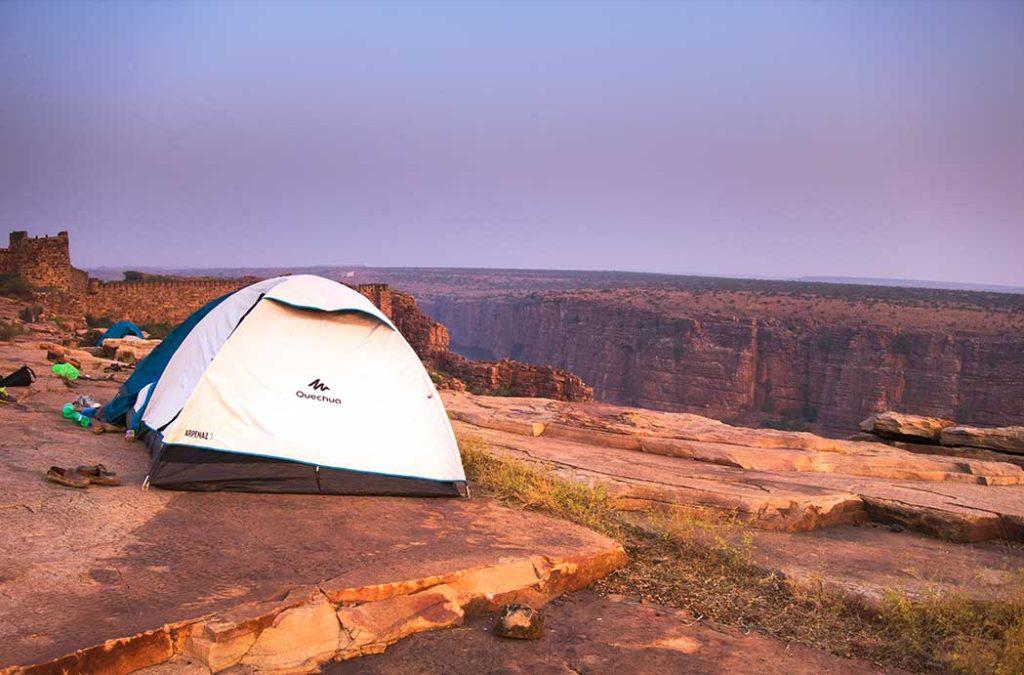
(180, 467)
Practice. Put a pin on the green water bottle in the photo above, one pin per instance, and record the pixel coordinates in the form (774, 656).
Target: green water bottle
(69, 413)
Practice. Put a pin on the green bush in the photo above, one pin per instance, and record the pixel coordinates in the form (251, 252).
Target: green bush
(903, 344)
(136, 276)
(785, 424)
(30, 314)
(13, 286)
(93, 321)
(9, 331)
(157, 331)
(792, 419)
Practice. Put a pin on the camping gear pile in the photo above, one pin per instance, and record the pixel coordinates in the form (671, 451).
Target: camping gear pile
(81, 411)
(292, 384)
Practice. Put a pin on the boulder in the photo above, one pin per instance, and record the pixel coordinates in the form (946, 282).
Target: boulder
(900, 426)
(90, 336)
(128, 349)
(80, 359)
(519, 622)
(1002, 439)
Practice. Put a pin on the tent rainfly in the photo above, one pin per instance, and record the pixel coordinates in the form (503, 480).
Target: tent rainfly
(293, 384)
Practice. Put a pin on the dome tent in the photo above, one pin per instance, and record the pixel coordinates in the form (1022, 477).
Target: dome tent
(292, 384)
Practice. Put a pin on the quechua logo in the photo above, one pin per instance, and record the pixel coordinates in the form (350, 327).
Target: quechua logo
(317, 386)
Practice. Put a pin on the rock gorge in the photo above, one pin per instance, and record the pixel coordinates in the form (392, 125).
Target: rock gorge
(431, 341)
(796, 360)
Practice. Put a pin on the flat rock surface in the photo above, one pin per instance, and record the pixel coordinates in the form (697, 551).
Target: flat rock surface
(774, 480)
(1003, 439)
(78, 567)
(868, 561)
(589, 633)
(860, 533)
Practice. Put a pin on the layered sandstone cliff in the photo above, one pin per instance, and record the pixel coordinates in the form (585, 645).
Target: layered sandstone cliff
(506, 377)
(786, 359)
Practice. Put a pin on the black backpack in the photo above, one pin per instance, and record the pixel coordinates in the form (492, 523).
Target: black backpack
(22, 377)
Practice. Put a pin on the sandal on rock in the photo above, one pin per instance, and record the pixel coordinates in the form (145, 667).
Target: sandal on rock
(67, 477)
(97, 474)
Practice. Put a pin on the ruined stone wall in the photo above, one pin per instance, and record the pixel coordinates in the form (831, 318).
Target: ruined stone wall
(44, 262)
(380, 295)
(154, 301)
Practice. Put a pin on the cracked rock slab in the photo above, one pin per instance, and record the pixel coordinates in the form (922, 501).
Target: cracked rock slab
(772, 480)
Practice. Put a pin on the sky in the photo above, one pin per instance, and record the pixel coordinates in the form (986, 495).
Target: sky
(762, 139)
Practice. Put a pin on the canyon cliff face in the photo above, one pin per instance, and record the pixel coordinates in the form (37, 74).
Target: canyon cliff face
(431, 342)
(743, 368)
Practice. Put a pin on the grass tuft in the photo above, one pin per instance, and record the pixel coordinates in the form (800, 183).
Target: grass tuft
(515, 482)
(9, 331)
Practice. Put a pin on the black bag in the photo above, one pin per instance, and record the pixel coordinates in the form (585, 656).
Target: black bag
(22, 377)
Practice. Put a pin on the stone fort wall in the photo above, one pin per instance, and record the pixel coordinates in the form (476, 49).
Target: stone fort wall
(44, 262)
(166, 301)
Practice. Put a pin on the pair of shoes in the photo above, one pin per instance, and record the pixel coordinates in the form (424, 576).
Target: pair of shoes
(83, 476)
(98, 475)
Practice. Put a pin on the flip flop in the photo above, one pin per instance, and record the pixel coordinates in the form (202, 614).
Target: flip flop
(97, 474)
(67, 477)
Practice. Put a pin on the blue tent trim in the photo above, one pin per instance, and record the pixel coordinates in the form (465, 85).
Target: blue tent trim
(119, 330)
(152, 367)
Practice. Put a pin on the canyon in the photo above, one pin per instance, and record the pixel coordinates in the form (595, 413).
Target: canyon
(788, 354)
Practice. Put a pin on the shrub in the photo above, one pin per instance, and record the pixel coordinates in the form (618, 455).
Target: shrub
(903, 344)
(9, 331)
(93, 321)
(136, 276)
(30, 314)
(157, 331)
(792, 419)
(13, 286)
(785, 424)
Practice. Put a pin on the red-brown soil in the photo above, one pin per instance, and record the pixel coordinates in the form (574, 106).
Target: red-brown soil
(590, 633)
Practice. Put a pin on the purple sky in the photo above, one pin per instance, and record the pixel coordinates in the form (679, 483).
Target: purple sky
(762, 139)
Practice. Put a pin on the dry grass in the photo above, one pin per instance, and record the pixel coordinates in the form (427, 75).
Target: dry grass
(515, 482)
(9, 331)
(702, 564)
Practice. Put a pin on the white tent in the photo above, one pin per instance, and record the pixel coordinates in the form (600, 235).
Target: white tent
(293, 384)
